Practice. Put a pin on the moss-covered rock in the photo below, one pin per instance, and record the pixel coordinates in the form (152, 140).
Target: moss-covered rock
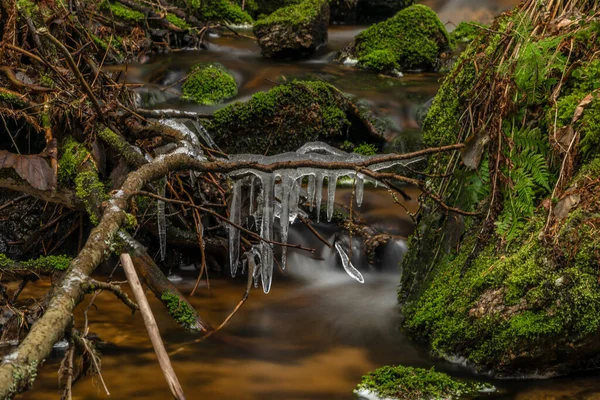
(294, 31)
(209, 84)
(217, 10)
(285, 118)
(516, 289)
(407, 383)
(413, 39)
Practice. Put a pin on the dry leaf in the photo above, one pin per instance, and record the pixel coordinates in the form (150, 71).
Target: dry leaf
(581, 106)
(473, 151)
(32, 168)
(563, 207)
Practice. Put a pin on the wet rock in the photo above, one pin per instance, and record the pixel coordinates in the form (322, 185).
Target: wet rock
(294, 31)
(413, 39)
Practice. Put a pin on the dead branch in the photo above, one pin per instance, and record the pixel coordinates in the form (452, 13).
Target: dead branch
(94, 285)
(150, 322)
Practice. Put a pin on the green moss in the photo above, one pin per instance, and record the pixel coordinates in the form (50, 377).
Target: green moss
(72, 156)
(466, 32)
(366, 149)
(26, 6)
(131, 222)
(415, 38)
(46, 80)
(11, 98)
(293, 15)
(119, 144)
(282, 119)
(121, 11)
(209, 84)
(440, 126)
(221, 10)
(90, 189)
(47, 263)
(585, 80)
(59, 263)
(5, 261)
(510, 302)
(178, 22)
(380, 60)
(408, 383)
(179, 310)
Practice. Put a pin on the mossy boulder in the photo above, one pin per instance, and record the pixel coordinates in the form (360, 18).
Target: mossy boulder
(208, 84)
(408, 383)
(413, 39)
(294, 31)
(227, 11)
(514, 290)
(284, 118)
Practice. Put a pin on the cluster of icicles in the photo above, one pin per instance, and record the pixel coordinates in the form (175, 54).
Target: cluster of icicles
(279, 195)
(275, 195)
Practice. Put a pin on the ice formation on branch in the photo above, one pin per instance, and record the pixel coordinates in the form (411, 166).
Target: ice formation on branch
(278, 194)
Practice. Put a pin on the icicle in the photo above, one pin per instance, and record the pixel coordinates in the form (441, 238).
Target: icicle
(266, 231)
(234, 233)
(310, 190)
(359, 189)
(205, 135)
(348, 267)
(284, 216)
(252, 184)
(161, 219)
(331, 185)
(319, 193)
(294, 199)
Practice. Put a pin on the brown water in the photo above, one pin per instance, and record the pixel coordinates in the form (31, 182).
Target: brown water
(318, 331)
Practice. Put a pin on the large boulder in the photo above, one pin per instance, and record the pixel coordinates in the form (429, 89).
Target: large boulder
(294, 31)
(413, 39)
(286, 117)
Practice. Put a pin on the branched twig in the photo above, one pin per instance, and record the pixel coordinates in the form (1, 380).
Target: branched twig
(94, 285)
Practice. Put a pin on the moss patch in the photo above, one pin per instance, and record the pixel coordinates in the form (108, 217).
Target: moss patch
(413, 39)
(282, 119)
(46, 263)
(179, 310)
(293, 15)
(72, 156)
(209, 84)
(121, 11)
(220, 10)
(407, 383)
(91, 191)
(178, 22)
(466, 32)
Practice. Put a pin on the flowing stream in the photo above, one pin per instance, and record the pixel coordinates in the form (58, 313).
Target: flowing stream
(318, 330)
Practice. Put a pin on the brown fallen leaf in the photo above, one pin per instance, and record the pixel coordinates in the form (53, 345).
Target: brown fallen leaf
(32, 168)
(584, 103)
